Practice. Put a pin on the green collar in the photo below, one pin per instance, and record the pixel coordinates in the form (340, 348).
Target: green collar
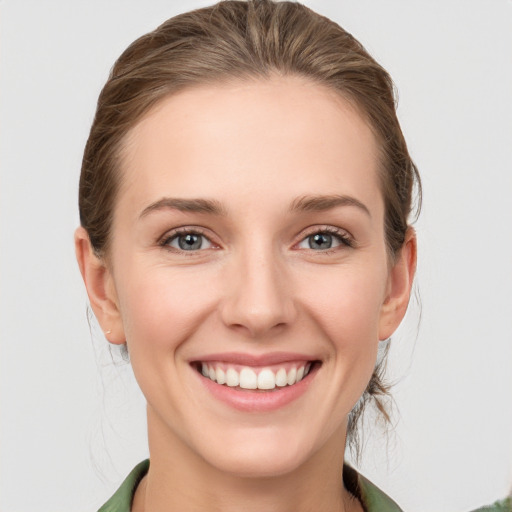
(372, 498)
(121, 501)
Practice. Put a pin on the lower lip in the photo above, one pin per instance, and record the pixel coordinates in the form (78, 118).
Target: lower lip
(249, 400)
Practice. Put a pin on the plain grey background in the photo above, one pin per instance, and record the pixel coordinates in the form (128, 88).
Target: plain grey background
(72, 422)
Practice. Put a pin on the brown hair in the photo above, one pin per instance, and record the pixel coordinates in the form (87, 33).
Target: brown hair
(245, 40)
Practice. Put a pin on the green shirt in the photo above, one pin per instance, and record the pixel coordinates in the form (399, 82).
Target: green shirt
(372, 498)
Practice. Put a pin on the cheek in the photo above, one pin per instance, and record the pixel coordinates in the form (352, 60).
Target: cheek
(348, 314)
(161, 308)
(348, 300)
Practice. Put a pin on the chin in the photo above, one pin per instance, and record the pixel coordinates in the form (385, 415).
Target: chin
(259, 466)
(261, 456)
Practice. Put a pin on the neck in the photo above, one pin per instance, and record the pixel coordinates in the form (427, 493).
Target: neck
(178, 479)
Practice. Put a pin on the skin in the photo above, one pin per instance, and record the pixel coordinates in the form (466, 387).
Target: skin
(257, 286)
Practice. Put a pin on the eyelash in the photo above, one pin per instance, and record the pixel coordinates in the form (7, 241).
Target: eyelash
(342, 236)
(168, 238)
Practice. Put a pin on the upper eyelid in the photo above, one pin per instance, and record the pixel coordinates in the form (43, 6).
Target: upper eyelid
(184, 230)
(345, 236)
(324, 229)
(306, 232)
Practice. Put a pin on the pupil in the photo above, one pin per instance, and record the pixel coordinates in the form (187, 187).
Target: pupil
(320, 241)
(189, 242)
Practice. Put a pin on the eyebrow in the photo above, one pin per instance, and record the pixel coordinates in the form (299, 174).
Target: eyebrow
(322, 203)
(185, 205)
(317, 203)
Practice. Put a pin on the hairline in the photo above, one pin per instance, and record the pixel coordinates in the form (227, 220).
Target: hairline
(226, 79)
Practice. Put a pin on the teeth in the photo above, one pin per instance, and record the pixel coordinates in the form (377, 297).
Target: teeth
(281, 378)
(266, 379)
(220, 376)
(247, 378)
(232, 378)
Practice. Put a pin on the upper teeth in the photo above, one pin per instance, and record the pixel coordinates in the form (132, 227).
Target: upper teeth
(247, 378)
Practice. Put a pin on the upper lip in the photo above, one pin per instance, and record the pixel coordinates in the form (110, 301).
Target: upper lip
(254, 360)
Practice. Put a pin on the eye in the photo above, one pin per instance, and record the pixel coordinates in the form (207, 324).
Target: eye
(188, 241)
(324, 240)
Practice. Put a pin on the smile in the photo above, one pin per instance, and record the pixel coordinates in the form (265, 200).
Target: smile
(245, 377)
(256, 383)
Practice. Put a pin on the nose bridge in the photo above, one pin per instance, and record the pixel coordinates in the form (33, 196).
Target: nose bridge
(260, 298)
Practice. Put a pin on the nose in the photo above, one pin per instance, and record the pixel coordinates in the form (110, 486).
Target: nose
(259, 294)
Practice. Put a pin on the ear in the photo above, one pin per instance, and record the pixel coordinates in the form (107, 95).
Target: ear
(399, 287)
(99, 283)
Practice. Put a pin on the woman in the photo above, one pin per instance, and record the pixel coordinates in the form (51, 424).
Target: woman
(244, 205)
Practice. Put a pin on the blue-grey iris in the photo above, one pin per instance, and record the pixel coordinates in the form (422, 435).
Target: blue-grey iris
(190, 242)
(320, 241)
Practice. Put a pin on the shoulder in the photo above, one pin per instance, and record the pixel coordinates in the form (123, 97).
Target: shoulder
(122, 499)
(370, 496)
(374, 500)
(499, 506)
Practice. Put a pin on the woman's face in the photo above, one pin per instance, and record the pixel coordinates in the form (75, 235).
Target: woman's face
(248, 245)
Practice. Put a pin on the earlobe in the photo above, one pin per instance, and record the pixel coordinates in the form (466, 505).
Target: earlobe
(100, 288)
(400, 282)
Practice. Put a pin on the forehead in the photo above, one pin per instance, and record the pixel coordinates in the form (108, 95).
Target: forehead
(278, 137)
